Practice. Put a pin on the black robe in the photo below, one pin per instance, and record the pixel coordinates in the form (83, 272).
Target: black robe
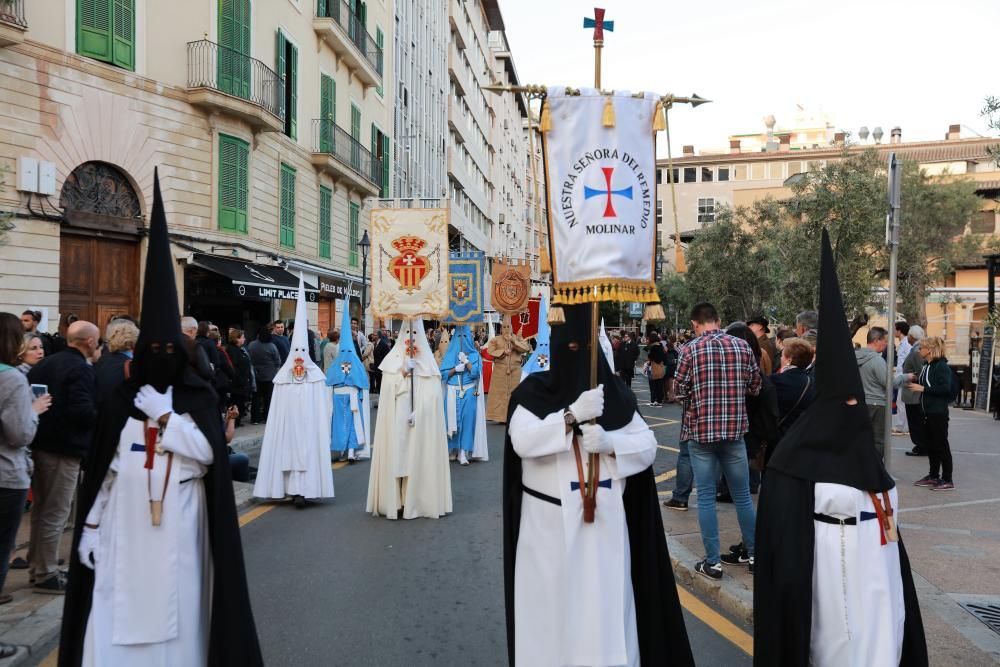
(783, 578)
(233, 635)
(663, 637)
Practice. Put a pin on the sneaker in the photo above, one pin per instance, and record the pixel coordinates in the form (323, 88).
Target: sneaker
(736, 548)
(676, 505)
(713, 572)
(916, 452)
(927, 481)
(741, 558)
(943, 486)
(54, 585)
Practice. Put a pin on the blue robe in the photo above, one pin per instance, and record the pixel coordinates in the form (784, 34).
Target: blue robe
(461, 391)
(348, 378)
(539, 359)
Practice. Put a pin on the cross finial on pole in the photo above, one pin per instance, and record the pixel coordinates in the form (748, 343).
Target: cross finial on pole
(599, 24)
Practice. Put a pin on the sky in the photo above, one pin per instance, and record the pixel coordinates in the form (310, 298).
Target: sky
(915, 64)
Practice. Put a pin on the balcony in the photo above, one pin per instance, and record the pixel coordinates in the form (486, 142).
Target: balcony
(338, 26)
(227, 82)
(344, 158)
(13, 24)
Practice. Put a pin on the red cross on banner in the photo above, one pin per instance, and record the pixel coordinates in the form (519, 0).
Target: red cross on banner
(599, 24)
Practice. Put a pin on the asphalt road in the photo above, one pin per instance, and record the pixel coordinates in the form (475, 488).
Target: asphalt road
(332, 585)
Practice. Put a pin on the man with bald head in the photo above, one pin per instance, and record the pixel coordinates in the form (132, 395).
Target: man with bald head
(60, 444)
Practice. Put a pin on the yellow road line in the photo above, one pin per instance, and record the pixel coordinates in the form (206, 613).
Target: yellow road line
(339, 464)
(255, 513)
(669, 449)
(51, 660)
(719, 623)
(670, 474)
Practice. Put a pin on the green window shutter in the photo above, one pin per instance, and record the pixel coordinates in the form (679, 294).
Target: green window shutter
(294, 67)
(327, 94)
(123, 33)
(380, 43)
(93, 29)
(325, 199)
(356, 135)
(321, 8)
(385, 166)
(233, 61)
(279, 67)
(233, 177)
(353, 225)
(287, 217)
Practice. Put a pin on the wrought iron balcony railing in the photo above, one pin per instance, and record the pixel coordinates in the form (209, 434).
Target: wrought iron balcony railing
(214, 66)
(12, 12)
(333, 140)
(341, 12)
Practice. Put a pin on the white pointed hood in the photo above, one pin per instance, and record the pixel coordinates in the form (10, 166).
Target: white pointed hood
(299, 367)
(393, 362)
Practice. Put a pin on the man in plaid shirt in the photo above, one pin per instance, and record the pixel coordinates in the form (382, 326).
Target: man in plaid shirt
(715, 374)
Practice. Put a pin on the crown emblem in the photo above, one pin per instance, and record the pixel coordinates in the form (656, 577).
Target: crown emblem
(409, 244)
(409, 268)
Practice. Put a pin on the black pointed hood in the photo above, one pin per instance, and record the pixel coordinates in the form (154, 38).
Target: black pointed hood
(832, 441)
(160, 355)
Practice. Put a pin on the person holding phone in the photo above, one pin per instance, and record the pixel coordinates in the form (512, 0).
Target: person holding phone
(19, 411)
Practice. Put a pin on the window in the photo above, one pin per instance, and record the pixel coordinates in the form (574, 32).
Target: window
(234, 156)
(690, 174)
(379, 42)
(706, 175)
(380, 165)
(287, 222)
(983, 222)
(740, 172)
(233, 61)
(327, 112)
(288, 70)
(325, 199)
(774, 170)
(659, 176)
(659, 211)
(353, 225)
(757, 171)
(706, 210)
(105, 30)
(794, 168)
(356, 135)
(723, 174)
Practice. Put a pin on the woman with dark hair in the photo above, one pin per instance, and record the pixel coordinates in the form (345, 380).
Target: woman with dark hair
(242, 387)
(266, 361)
(19, 412)
(656, 364)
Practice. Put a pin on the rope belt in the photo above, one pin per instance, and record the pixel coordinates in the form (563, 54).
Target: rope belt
(851, 521)
(542, 496)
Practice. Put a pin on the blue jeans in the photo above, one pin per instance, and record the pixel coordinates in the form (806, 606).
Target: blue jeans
(706, 460)
(685, 478)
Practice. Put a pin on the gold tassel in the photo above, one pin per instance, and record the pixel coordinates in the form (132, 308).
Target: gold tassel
(659, 119)
(544, 265)
(556, 315)
(608, 117)
(545, 122)
(680, 265)
(654, 311)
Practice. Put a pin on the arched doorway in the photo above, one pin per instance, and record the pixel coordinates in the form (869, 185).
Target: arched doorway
(99, 244)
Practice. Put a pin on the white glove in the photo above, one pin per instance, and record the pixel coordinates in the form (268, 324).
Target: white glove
(595, 440)
(459, 368)
(590, 404)
(411, 364)
(153, 403)
(88, 547)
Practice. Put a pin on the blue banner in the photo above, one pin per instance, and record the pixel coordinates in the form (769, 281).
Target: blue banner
(465, 287)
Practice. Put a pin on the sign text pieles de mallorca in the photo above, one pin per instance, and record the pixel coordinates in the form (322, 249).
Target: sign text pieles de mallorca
(625, 186)
(337, 289)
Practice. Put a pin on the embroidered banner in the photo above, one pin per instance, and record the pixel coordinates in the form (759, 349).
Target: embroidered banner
(465, 287)
(409, 262)
(525, 325)
(511, 286)
(602, 200)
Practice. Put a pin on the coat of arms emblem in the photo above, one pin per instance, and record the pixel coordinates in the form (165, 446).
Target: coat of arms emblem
(409, 267)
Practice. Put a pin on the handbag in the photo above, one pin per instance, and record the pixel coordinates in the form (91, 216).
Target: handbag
(657, 370)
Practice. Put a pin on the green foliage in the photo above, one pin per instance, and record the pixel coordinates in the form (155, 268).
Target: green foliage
(991, 111)
(765, 258)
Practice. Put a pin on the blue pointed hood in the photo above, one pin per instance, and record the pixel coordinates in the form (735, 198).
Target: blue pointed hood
(346, 369)
(540, 358)
(461, 341)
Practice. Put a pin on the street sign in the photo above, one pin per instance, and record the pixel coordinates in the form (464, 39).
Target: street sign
(635, 310)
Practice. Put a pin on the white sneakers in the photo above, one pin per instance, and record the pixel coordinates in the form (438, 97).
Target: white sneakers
(462, 458)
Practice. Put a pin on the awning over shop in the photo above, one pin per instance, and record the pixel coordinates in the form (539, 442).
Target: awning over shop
(255, 281)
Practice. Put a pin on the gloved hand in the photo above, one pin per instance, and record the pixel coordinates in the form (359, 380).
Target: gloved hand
(594, 439)
(590, 404)
(153, 403)
(459, 368)
(88, 547)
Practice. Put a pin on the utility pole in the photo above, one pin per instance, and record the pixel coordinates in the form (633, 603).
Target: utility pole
(892, 241)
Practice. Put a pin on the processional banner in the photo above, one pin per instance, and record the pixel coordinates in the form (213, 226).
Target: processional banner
(409, 263)
(525, 325)
(600, 161)
(511, 286)
(465, 287)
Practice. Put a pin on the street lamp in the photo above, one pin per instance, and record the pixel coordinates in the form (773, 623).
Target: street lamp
(365, 245)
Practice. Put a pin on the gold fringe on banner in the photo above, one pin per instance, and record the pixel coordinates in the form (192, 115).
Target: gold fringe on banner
(556, 315)
(654, 311)
(545, 121)
(659, 121)
(573, 295)
(608, 117)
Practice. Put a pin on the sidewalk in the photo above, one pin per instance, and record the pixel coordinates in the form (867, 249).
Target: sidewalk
(32, 620)
(952, 538)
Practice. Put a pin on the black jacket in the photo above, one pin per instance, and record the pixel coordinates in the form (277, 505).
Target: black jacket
(211, 351)
(242, 379)
(68, 426)
(110, 372)
(789, 387)
(382, 348)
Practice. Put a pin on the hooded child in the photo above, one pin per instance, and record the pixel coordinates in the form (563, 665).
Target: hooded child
(599, 593)
(832, 581)
(507, 351)
(349, 425)
(156, 573)
(295, 455)
(461, 369)
(410, 476)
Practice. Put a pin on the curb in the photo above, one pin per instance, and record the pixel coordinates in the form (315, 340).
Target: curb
(35, 633)
(733, 597)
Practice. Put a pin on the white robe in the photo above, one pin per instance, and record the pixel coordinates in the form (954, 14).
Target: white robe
(480, 448)
(153, 584)
(295, 454)
(860, 624)
(563, 614)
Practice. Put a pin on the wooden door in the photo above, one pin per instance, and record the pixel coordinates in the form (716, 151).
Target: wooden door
(98, 278)
(325, 319)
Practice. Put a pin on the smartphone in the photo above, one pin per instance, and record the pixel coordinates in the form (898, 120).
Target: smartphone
(39, 390)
